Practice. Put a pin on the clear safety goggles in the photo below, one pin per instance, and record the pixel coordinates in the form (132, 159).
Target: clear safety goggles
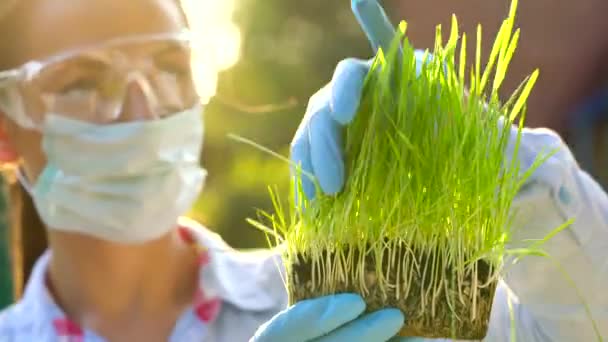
(91, 84)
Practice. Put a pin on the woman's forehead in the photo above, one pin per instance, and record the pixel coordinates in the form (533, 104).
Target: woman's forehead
(49, 27)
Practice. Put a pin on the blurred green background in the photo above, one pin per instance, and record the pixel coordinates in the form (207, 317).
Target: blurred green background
(288, 51)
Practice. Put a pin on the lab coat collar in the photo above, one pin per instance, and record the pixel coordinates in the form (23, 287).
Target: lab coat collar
(251, 281)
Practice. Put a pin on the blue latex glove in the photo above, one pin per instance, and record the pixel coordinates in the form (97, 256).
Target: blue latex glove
(331, 319)
(317, 145)
(317, 148)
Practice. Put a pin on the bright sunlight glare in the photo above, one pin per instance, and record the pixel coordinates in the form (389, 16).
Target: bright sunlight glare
(217, 41)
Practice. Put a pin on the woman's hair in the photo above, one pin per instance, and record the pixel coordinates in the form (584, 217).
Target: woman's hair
(28, 234)
(28, 231)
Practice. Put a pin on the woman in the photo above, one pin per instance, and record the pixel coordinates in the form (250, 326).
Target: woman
(102, 118)
(104, 122)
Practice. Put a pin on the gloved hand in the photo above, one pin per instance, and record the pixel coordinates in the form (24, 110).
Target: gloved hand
(317, 145)
(317, 148)
(332, 319)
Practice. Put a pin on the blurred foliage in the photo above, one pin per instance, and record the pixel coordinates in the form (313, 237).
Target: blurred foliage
(289, 50)
(6, 270)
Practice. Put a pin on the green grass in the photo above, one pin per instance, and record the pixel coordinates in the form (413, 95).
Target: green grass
(426, 169)
(425, 159)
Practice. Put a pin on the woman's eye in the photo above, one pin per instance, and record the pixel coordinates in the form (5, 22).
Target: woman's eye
(80, 84)
(177, 69)
(177, 63)
(178, 73)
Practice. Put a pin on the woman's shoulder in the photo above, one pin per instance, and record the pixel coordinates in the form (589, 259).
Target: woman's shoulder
(6, 323)
(18, 322)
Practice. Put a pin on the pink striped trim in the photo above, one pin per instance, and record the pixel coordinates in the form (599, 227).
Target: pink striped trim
(208, 310)
(203, 258)
(68, 330)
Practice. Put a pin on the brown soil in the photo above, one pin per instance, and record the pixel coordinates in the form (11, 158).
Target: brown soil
(453, 312)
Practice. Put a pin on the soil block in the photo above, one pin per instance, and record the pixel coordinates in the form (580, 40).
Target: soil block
(435, 306)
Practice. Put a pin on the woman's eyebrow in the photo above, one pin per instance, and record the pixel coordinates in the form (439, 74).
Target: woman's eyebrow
(91, 62)
(165, 47)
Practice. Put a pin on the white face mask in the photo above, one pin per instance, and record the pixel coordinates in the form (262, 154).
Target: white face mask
(126, 182)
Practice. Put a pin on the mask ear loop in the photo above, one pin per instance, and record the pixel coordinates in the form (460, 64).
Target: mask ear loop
(22, 178)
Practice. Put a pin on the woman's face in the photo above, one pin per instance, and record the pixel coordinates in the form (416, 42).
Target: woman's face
(44, 28)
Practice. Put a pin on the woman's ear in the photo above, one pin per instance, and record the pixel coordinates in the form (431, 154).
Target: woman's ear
(8, 154)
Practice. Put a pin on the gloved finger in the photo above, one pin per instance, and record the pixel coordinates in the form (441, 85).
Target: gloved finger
(300, 146)
(407, 339)
(300, 155)
(374, 22)
(325, 137)
(310, 319)
(379, 326)
(346, 88)
(422, 58)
